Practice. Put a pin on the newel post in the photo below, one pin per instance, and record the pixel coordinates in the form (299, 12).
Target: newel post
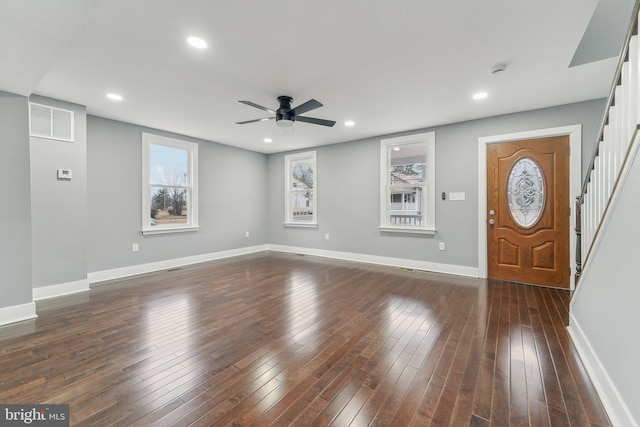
(578, 237)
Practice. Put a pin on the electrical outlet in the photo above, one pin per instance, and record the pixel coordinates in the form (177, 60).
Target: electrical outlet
(441, 246)
(135, 247)
(246, 234)
(326, 236)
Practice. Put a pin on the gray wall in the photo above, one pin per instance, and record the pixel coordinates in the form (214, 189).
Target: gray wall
(232, 196)
(59, 207)
(348, 188)
(15, 216)
(605, 305)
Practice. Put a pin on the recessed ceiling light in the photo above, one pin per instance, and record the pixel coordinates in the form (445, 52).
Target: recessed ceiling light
(197, 42)
(268, 140)
(349, 123)
(480, 95)
(114, 97)
(396, 148)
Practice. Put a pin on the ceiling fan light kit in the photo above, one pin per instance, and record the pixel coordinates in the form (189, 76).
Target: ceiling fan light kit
(284, 123)
(285, 116)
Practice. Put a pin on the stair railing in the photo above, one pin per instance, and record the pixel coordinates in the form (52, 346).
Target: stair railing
(617, 131)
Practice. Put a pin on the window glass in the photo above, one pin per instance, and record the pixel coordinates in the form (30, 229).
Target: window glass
(170, 202)
(407, 190)
(300, 200)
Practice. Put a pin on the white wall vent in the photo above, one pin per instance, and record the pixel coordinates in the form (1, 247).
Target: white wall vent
(50, 122)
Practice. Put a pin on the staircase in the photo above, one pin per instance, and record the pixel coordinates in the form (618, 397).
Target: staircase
(617, 140)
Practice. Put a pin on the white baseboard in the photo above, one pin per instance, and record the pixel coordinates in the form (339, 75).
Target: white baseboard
(61, 289)
(617, 410)
(457, 270)
(17, 313)
(134, 270)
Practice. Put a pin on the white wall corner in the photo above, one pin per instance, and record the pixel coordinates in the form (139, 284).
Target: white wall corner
(61, 289)
(17, 313)
(616, 409)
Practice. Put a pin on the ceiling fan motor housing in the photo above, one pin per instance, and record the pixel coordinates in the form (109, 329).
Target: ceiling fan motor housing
(283, 117)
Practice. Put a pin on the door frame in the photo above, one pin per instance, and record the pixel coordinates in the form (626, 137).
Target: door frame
(574, 132)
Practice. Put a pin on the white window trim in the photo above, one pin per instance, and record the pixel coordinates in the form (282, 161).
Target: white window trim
(430, 226)
(288, 160)
(192, 148)
(72, 124)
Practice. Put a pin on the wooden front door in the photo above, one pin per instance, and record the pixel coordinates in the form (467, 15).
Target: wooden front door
(529, 211)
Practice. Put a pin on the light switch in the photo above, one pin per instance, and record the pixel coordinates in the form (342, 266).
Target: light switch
(457, 196)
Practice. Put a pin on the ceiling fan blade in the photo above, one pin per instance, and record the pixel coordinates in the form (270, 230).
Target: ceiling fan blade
(315, 121)
(260, 107)
(311, 104)
(255, 121)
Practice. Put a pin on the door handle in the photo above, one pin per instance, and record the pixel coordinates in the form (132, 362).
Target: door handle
(492, 221)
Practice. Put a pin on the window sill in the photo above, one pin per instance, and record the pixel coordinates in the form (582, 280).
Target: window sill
(410, 230)
(300, 225)
(158, 230)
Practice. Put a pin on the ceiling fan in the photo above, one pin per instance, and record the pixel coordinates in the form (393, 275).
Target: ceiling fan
(285, 115)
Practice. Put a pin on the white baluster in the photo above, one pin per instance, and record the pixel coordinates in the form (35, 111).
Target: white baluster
(621, 141)
(626, 101)
(634, 86)
(594, 201)
(597, 185)
(607, 148)
(613, 136)
(620, 132)
(586, 225)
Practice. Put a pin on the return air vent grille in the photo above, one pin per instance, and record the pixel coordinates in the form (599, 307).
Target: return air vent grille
(50, 122)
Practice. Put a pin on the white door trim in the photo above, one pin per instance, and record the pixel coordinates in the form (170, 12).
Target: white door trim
(575, 184)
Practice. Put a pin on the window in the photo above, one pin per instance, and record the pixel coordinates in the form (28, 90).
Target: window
(170, 185)
(407, 184)
(300, 190)
(50, 122)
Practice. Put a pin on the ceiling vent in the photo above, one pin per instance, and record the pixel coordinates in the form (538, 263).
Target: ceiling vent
(50, 122)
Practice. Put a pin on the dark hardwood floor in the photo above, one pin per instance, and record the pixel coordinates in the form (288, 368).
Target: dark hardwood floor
(279, 339)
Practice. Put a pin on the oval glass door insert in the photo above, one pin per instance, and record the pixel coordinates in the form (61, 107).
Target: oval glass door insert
(526, 192)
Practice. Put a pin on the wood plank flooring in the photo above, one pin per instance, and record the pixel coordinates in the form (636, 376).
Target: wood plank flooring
(278, 339)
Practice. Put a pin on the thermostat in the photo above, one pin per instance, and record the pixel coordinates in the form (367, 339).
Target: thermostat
(64, 174)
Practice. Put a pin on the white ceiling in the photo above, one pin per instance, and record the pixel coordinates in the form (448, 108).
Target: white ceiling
(389, 66)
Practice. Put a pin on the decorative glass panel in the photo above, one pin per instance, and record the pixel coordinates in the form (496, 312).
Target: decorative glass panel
(526, 192)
